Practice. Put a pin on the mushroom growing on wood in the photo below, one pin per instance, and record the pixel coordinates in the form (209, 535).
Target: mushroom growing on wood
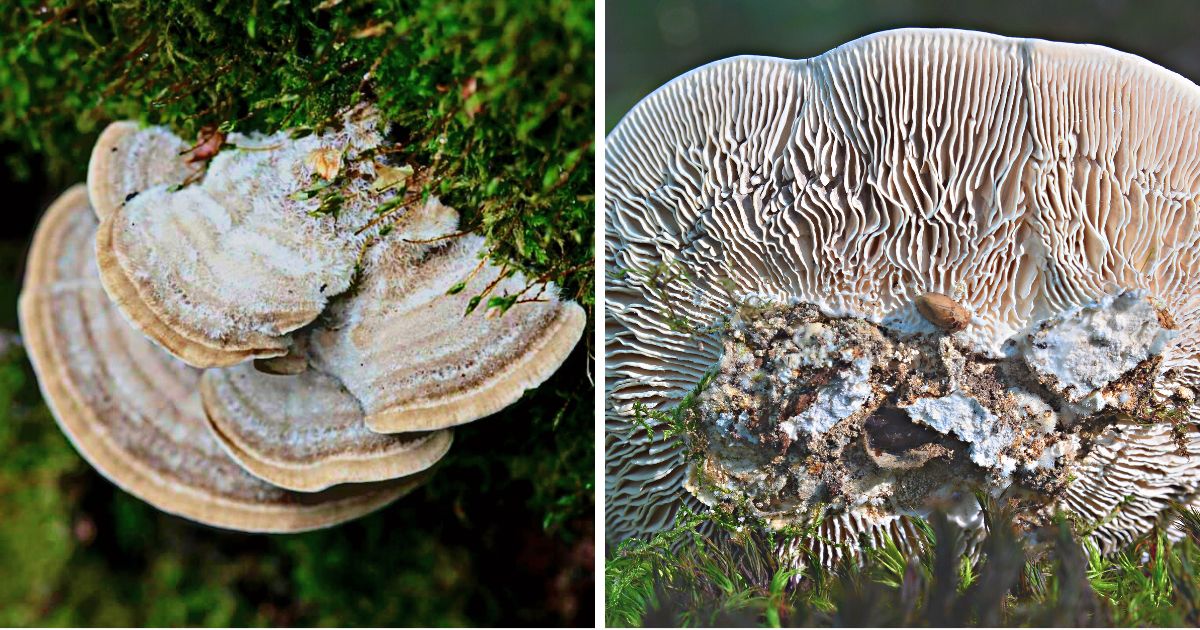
(306, 432)
(134, 412)
(776, 222)
(221, 271)
(230, 268)
(404, 350)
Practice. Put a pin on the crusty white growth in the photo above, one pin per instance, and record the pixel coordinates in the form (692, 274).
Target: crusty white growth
(1054, 454)
(840, 399)
(134, 411)
(816, 346)
(1035, 411)
(933, 424)
(224, 269)
(1090, 346)
(968, 420)
(1024, 177)
(737, 424)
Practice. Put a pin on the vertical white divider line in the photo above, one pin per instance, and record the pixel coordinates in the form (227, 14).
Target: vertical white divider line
(598, 342)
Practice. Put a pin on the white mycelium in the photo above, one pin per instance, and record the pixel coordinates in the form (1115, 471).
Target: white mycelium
(970, 422)
(843, 397)
(1026, 178)
(1088, 347)
(807, 410)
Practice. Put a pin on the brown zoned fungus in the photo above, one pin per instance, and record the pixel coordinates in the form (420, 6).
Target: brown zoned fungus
(923, 264)
(327, 319)
(127, 160)
(222, 270)
(134, 411)
(397, 355)
(241, 264)
(306, 432)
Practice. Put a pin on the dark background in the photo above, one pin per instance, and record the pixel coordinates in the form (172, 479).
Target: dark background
(651, 42)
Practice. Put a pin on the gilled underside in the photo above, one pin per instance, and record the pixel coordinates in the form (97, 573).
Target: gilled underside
(1028, 178)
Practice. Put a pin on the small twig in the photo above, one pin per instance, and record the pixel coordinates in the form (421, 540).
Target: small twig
(437, 238)
(58, 15)
(130, 56)
(195, 86)
(194, 176)
(416, 188)
(270, 147)
(492, 285)
(474, 272)
(570, 270)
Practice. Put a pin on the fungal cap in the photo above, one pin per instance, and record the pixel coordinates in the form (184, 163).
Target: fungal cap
(411, 352)
(133, 411)
(222, 271)
(305, 432)
(528, 368)
(189, 345)
(128, 159)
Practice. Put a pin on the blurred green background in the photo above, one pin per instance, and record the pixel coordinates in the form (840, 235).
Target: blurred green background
(650, 42)
(495, 98)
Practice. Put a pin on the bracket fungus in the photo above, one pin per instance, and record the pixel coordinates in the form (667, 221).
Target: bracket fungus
(233, 267)
(280, 339)
(391, 362)
(127, 160)
(439, 367)
(134, 412)
(223, 270)
(306, 432)
(924, 264)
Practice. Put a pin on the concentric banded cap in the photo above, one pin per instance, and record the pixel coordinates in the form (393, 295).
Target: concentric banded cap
(134, 412)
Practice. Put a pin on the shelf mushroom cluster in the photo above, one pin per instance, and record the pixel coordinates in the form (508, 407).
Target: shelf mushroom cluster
(923, 263)
(278, 342)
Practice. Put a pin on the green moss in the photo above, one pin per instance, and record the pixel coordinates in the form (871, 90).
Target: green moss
(494, 99)
(733, 577)
(35, 530)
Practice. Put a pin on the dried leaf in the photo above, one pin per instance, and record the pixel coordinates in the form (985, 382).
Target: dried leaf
(391, 177)
(326, 162)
